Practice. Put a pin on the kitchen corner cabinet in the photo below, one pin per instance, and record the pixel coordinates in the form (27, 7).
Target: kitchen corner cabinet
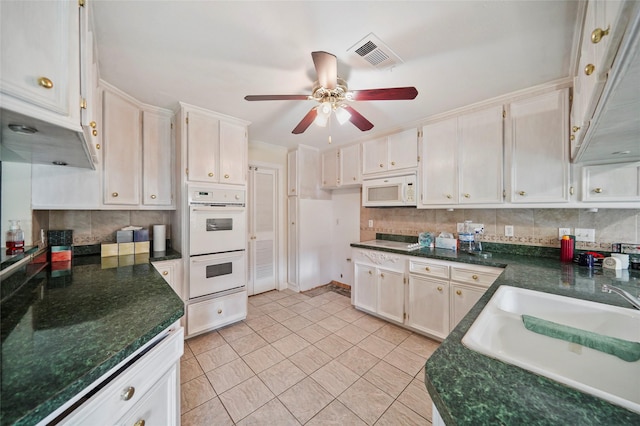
(304, 173)
(395, 152)
(463, 159)
(468, 284)
(171, 271)
(216, 147)
(341, 167)
(538, 148)
(611, 182)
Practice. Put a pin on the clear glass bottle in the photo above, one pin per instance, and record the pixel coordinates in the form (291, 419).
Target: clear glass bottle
(15, 238)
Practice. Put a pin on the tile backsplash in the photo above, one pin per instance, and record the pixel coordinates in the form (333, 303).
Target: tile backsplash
(100, 226)
(535, 227)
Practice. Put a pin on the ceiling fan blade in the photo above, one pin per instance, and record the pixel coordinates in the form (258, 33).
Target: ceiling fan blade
(326, 68)
(358, 119)
(388, 94)
(276, 97)
(306, 121)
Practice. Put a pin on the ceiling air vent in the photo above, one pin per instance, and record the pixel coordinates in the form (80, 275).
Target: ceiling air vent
(375, 52)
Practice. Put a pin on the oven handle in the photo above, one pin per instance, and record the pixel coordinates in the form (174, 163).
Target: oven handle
(217, 257)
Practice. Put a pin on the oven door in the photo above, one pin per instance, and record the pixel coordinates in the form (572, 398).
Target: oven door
(214, 229)
(215, 273)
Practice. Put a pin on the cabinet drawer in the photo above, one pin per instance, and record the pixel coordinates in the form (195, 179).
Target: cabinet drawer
(430, 269)
(214, 313)
(484, 277)
(129, 388)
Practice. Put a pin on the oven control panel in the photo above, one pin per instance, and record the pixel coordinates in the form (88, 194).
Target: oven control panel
(224, 196)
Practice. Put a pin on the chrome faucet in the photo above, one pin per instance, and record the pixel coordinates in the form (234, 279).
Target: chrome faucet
(631, 299)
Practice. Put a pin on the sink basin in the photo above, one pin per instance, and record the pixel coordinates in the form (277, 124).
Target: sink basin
(499, 332)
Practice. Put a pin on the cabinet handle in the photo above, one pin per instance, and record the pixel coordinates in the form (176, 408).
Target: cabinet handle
(467, 195)
(589, 69)
(45, 82)
(210, 174)
(459, 292)
(127, 394)
(427, 268)
(575, 128)
(522, 193)
(93, 124)
(140, 422)
(153, 197)
(219, 311)
(97, 146)
(475, 277)
(597, 34)
(165, 273)
(598, 190)
(381, 165)
(226, 176)
(439, 288)
(393, 163)
(115, 194)
(94, 132)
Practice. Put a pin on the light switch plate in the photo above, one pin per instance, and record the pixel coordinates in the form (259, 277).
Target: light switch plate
(586, 234)
(563, 231)
(508, 230)
(370, 223)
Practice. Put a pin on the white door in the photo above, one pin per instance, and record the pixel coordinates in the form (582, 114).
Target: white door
(262, 229)
(292, 243)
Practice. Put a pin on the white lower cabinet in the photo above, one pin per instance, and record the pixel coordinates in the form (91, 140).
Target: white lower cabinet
(171, 271)
(429, 296)
(147, 392)
(217, 312)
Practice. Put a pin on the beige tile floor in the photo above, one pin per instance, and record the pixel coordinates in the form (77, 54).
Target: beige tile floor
(305, 360)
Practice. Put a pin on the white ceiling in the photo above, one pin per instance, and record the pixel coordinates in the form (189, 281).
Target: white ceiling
(213, 53)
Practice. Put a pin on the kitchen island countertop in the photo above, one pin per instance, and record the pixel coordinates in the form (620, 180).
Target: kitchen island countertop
(63, 330)
(469, 388)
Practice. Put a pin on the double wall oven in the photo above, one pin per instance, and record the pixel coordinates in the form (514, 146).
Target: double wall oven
(217, 241)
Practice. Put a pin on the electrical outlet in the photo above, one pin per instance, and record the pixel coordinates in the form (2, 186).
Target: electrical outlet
(563, 231)
(586, 234)
(508, 230)
(370, 223)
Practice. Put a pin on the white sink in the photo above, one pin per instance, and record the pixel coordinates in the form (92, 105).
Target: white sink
(499, 332)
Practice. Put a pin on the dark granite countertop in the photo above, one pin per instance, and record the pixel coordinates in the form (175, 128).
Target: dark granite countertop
(62, 329)
(469, 388)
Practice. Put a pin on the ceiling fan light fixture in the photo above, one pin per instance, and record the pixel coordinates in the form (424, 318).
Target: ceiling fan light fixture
(323, 116)
(342, 115)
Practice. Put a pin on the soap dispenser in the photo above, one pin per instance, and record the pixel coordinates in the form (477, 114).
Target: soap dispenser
(15, 238)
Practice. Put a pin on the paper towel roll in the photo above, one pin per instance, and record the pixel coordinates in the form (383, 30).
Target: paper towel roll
(159, 238)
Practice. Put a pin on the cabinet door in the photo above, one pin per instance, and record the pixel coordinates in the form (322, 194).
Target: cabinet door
(292, 241)
(122, 150)
(391, 295)
(611, 182)
(350, 166)
(157, 154)
(233, 153)
(538, 129)
(366, 293)
(428, 306)
(402, 150)
(374, 156)
(40, 58)
(292, 173)
(462, 300)
(203, 146)
(330, 162)
(480, 155)
(440, 163)
(158, 406)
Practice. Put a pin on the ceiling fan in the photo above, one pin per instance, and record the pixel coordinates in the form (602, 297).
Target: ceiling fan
(332, 94)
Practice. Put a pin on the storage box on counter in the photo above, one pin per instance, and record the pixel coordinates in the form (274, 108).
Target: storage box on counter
(447, 243)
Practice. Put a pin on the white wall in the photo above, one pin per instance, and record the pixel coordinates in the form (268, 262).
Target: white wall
(346, 230)
(16, 199)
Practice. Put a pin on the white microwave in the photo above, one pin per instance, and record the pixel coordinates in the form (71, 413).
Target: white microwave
(389, 191)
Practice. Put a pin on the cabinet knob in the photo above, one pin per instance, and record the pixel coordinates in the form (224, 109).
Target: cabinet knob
(127, 394)
(97, 146)
(210, 174)
(94, 132)
(522, 193)
(598, 190)
(439, 288)
(572, 137)
(475, 277)
(459, 292)
(381, 165)
(140, 422)
(381, 275)
(165, 273)
(354, 178)
(226, 176)
(293, 223)
(427, 268)
(93, 124)
(589, 69)
(153, 197)
(45, 82)
(115, 194)
(575, 128)
(597, 34)
(467, 195)
(393, 163)
(219, 311)
(293, 190)
(449, 196)
(370, 273)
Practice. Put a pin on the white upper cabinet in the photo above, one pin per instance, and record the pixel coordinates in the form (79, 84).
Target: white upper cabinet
(304, 173)
(611, 182)
(122, 147)
(462, 159)
(216, 148)
(394, 152)
(157, 155)
(292, 173)
(341, 167)
(536, 132)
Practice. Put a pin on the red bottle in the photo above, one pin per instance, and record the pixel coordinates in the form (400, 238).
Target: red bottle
(566, 249)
